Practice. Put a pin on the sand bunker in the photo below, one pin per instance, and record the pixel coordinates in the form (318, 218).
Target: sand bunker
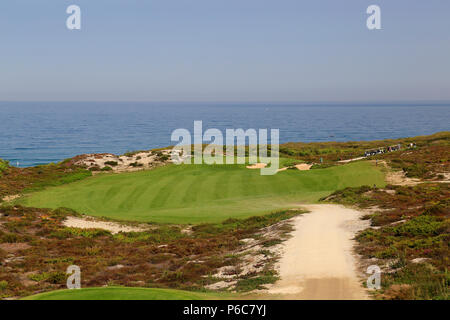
(86, 223)
(11, 198)
(257, 166)
(303, 166)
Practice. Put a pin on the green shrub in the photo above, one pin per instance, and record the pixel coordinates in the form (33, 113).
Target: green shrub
(418, 226)
(136, 164)
(10, 238)
(256, 283)
(55, 277)
(111, 163)
(440, 208)
(132, 153)
(416, 170)
(76, 232)
(160, 235)
(64, 212)
(3, 285)
(3, 165)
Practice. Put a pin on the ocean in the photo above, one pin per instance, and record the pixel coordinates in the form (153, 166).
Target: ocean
(33, 133)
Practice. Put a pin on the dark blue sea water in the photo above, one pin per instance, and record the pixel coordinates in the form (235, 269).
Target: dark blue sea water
(40, 132)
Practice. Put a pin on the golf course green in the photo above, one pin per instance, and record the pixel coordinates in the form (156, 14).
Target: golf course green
(123, 293)
(200, 193)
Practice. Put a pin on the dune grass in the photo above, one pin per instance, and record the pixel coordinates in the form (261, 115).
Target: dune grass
(200, 193)
(124, 293)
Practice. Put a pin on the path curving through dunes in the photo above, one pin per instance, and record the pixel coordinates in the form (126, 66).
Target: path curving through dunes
(318, 262)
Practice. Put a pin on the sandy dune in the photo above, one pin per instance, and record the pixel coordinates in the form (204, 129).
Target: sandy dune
(318, 262)
(138, 161)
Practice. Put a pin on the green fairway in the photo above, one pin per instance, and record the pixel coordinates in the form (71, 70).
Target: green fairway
(200, 193)
(123, 293)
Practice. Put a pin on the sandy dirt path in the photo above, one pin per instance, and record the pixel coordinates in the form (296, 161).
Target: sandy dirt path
(318, 261)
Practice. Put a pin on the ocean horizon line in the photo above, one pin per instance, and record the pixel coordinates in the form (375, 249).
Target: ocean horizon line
(283, 103)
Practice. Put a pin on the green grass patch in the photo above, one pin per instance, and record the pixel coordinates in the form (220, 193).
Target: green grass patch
(123, 293)
(200, 193)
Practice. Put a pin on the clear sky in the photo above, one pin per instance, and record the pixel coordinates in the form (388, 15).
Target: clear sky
(225, 50)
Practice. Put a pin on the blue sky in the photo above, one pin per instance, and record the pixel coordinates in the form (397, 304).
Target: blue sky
(225, 50)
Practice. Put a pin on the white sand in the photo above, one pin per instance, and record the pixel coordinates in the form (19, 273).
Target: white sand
(113, 227)
(318, 261)
(11, 198)
(303, 166)
(257, 166)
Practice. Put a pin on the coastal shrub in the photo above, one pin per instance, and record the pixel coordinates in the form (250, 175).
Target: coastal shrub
(106, 168)
(416, 170)
(164, 157)
(291, 163)
(10, 238)
(76, 232)
(55, 277)
(256, 283)
(3, 165)
(64, 212)
(55, 180)
(111, 163)
(351, 195)
(440, 208)
(3, 285)
(419, 281)
(245, 226)
(132, 153)
(136, 164)
(59, 260)
(419, 226)
(162, 234)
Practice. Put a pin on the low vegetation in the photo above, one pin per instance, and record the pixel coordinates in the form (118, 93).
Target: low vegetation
(23, 180)
(330, 152)
(4, 165)
(36, 249)
(208, 214)
(410, 233)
